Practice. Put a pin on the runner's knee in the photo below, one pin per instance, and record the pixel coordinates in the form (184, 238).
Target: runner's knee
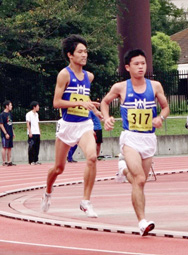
(140, 180)
(59, 170)
(92, 158)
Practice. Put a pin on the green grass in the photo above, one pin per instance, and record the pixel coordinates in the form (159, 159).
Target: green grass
(47, 131)
(173, 127)
(170, 127)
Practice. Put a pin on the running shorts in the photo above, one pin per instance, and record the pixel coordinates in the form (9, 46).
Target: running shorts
(71, 132)
(144, 143)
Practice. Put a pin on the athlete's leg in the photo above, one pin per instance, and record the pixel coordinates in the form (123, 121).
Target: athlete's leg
(61, 150)
(147, 163)
(136, 174)
(71, 152)
(88, 146)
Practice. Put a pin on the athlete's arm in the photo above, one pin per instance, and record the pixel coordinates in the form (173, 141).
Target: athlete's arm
(98, 114)
(159, 94)
(114, 92)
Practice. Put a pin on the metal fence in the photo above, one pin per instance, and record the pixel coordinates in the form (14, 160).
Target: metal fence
(175, 85)
(22, 86)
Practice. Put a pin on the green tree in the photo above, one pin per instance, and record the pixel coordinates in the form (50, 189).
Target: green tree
(166, 17)
(165, 52)
(32, 32)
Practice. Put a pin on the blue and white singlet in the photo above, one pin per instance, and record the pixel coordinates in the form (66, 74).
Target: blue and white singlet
(76, 91)
(139, 109)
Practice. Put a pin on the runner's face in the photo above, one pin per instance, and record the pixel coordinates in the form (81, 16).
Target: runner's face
(80, 54)
(137, 66)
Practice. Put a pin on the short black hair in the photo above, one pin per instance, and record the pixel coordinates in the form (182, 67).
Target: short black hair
(5, 103)
(70, 43)
(131, 54)
(33, 104)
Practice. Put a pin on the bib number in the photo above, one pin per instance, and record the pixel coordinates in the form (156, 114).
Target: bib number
(78, 110)
(140, 119)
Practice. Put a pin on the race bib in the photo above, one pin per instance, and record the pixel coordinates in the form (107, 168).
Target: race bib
(140, 119)
(78, 110)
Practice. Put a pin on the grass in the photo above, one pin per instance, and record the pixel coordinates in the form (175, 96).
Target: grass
(47, 131)
(172, 126)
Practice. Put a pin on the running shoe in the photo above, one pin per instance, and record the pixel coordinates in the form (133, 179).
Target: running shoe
(87, 207)
(146, 227)
(46, 202)
(120, 177)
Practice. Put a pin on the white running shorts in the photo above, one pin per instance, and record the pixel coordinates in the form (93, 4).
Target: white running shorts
(144, 143)
(71, 132)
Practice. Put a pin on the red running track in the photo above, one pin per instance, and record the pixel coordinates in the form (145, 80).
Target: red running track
(166, 198)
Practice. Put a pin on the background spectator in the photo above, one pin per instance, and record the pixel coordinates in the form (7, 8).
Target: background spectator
(7, 133)
(33, 131)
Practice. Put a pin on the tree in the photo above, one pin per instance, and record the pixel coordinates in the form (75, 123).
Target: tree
(32, 32)
(166, 17)
(165, 53)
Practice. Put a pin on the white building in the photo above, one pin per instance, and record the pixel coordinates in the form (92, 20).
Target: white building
(180, 3)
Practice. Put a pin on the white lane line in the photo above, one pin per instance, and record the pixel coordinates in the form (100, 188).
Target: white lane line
(75, 248)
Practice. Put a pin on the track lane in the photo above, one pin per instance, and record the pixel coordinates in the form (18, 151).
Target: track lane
(44, 239)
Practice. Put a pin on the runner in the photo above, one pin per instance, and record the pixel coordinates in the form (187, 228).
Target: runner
(138, 140)
(72, 97)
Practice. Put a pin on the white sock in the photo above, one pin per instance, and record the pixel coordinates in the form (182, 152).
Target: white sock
(85, 201)
(142, 222)
(121, 166)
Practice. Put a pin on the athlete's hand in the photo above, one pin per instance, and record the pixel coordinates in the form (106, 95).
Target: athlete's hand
(157, 122)
(96, 104)
(98, 114)
(90, 105)
(109, 123)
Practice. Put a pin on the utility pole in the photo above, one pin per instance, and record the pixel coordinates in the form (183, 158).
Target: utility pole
(134, 25)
